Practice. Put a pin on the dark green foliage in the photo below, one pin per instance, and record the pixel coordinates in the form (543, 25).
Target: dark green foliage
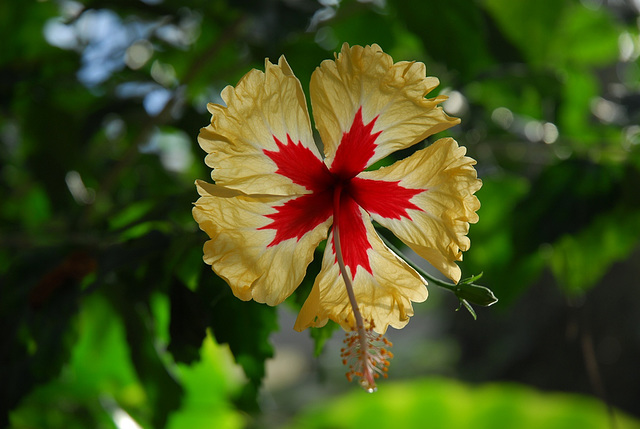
(564, 199)
(246, 327)
(439, 27)
(36, 315)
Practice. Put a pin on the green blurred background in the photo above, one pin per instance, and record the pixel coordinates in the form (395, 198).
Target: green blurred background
(110, 319)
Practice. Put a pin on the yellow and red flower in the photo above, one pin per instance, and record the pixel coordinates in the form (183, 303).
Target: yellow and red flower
(275, 198)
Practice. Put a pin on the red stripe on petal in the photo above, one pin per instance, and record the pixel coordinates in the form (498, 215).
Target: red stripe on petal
(299, 164)
(387, 199)
(356, 148)
(353, 236)
(298, 216)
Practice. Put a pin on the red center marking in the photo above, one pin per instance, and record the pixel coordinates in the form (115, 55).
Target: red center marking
(302, 214)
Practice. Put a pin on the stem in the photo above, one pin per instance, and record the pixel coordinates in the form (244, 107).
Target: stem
(451, 286)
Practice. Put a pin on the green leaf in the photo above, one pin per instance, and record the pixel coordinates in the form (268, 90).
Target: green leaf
(36, 208)
(100, 366)
(472, 279)
(493, 247)
(39, 304)
(321, 335)
(131, 214)
(361, 28)
(565, 198)
(574, 115)
(162, 390)
(207, 384)
(530, 25)
(189, 320)
(579, 261)
(584, 37)
(461, 24)
(440, 403)
(246, 327)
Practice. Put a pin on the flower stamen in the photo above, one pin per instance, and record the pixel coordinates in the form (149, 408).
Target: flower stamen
(366, 352)
(367, 363)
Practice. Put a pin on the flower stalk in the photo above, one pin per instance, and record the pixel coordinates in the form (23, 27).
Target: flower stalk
(465, 290)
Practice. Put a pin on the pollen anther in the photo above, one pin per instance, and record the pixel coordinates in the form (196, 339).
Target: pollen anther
(366, 363)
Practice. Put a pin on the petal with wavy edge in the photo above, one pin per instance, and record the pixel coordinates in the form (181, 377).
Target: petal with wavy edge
(241, 251)
(437, 230)
(390, 96)
(384, 295)
(263, 109)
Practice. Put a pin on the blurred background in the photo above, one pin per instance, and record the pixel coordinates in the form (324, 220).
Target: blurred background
(110, 319)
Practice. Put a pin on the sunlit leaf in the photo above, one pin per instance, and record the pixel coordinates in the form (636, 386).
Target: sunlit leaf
(507, 272)
(99, 367)
(579, 261)
(208, 383)
(246, 328)
(131, 214)
(440, 403)
(585, 36)
(564, 198)
(461, 24)
(321, 335)
(531, 26)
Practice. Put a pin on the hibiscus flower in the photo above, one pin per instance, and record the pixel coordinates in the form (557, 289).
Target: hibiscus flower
(275, 198)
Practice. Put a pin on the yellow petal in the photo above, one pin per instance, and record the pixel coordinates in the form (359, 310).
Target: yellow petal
(392, 95)
(242, 253)
(437, 231)
(384, 295)
(263, 107)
